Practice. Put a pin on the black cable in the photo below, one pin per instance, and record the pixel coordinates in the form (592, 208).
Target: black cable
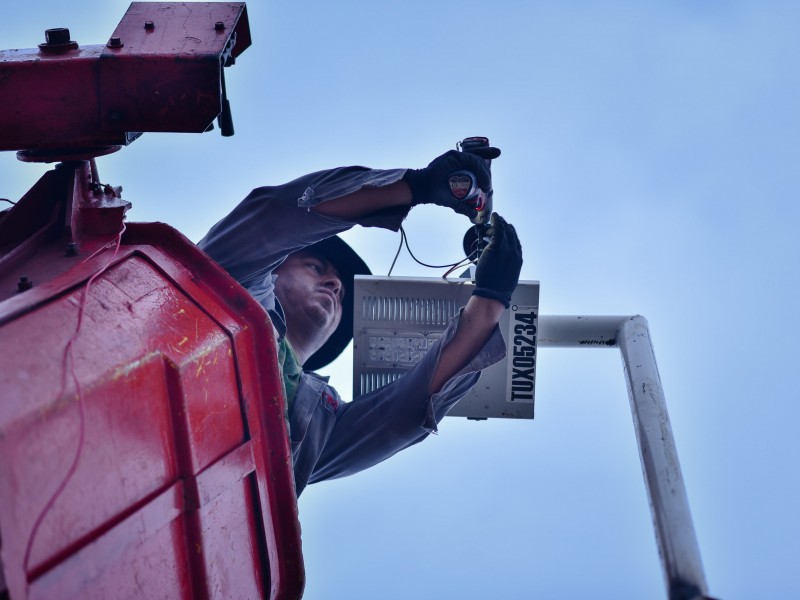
(400, 247)
(463, 263)
(451, 267)
(418, 261)
(7, 200)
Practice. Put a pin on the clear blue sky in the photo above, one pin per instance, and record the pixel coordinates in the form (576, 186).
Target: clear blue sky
(650, 156)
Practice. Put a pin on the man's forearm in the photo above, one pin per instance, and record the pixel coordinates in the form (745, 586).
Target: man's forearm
(476, 324)
(366, 201)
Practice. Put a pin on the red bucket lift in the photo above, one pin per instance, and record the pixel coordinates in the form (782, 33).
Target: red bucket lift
(143, 447)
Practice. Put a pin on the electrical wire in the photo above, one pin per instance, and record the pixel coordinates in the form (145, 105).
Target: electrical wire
(462, 263)
(404, 240)
(69, 362)
(396, 254)
(418, 261)
(7, 200)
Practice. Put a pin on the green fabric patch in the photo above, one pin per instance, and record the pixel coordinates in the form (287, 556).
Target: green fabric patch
(291, 370)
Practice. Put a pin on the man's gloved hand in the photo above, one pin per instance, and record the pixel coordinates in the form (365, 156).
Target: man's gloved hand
(431, 185)
(498, 268)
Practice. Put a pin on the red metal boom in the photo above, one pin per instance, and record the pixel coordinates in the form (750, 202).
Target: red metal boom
(143, 446)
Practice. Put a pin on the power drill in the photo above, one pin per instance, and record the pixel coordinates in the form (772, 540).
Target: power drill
(464, 186)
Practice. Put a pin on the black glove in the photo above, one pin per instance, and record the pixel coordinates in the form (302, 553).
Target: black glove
(431, 185)
(497, 273)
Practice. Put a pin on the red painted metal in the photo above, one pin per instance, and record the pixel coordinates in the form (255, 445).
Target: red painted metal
(184, 485)
(143, 442)
(99, 97)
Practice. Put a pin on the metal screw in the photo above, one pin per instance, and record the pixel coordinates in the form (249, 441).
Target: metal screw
(149, 25)
(72, 249)
(59, 35)
(115, 42)
(24, 284)
(57, 41)
(219, 26)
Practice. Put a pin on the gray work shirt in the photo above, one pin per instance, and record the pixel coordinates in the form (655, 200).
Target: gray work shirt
(329, 437)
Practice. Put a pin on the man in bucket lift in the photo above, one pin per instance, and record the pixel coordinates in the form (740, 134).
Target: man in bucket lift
(280, 243)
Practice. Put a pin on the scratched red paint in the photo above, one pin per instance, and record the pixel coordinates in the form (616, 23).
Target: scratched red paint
(183, 487)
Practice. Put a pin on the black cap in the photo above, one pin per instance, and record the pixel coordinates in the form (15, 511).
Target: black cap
(348, 264)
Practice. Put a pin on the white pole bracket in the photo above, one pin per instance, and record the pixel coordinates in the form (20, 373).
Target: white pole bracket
(669, 504)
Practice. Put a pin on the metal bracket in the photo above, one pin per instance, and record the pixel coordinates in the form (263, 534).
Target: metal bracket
(669, 504)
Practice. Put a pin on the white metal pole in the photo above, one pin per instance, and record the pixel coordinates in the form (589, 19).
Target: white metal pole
(669, 505)
(578, 331)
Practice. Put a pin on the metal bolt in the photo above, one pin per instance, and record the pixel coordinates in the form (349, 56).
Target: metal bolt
(72, 249)
(59, 35)
(115, 42)
(149, 25)
(219, 26)
(57, 41)
(24, 284)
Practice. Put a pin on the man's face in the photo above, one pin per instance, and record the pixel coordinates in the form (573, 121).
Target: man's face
(310, 293)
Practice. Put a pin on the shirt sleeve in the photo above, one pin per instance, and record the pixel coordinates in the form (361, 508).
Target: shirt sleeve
(272, 222)
(377, 425)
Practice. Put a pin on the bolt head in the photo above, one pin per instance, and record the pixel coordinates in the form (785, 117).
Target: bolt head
(58, 41)
(115, 42)
(149, 25)
(24, 284)
(219, 26)
(58, 35)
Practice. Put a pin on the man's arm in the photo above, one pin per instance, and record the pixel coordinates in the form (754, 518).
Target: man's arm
(366, 201)
(429, 185)
(480, 315)
(478, 320)
(496, 276)
(274, 221)
(385, 421)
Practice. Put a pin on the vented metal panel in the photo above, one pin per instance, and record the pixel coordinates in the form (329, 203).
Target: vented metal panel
(398, 319)
(420, 311)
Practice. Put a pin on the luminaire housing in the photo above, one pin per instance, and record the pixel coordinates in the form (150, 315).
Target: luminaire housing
(397, 320)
